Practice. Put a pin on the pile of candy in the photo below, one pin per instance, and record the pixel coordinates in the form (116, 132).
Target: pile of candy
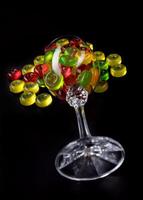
(65, 63)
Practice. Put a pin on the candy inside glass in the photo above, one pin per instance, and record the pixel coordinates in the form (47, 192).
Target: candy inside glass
(89, 157)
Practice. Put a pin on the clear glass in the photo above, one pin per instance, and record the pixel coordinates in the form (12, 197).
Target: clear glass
(89, 157)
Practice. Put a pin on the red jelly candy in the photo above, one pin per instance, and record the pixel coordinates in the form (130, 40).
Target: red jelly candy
(62, 92)
(30, 77)
(52, 46)
(66, 71)
(41, 70)
(15, 74)
(75, 42)
(82, 68)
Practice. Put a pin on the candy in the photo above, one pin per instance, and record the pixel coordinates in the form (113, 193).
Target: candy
(39, 60)
(104, 75)
(114, 59)
(101, 65)
(51, 47)
(99, 55)
(118, 70)
(68, 61)
(48, 56)
(27, 68)
(62, 42)
(30, 77)
(95, 77)
(27, 98)
(102, 86)
(14, 74)
(53, 81)
(17, 86)
(84, 78)
(32, 87)
(66, 71)
(43, 100)
(88, 58)
(41, 70)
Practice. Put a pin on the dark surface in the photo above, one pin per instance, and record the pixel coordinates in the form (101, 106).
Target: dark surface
(31, 137)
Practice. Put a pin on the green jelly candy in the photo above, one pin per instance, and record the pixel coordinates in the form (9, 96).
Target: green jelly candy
(39, 60)
(104, 76)
(68, 61)
(48, 56)
(84, 78)
(103, 65)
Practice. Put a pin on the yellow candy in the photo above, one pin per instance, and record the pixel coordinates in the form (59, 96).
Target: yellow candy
(62, 42)
(39, 60)
(114, 59)
(27, 68)
(27, 98)
(88, 58)
(32, 87)
(90, 45)
(99, 55)
(43, 100)
(17, 86)
(118, 70)
(101, 87)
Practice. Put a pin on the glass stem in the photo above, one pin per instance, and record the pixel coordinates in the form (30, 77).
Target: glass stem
(82, 122)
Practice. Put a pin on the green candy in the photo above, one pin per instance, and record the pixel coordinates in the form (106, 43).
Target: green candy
(39, 60)
(84, 78)
(104, 76)
(48, 56)
(68, 61)
(101, 64)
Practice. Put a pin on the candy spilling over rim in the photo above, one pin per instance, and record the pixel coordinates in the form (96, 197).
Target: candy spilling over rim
(69, 69)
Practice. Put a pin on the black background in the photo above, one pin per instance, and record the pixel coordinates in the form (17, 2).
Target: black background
(31, 137)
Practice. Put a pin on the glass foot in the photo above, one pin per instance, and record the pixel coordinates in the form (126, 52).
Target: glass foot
(89, 158)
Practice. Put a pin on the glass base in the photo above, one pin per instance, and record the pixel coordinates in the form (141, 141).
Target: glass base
(89, 158)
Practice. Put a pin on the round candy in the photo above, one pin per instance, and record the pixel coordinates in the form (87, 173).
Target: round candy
(15, 74)
(17, 86)
(104, 75)
(30, 77)
(53, 81)
(62, 42)
(39, 60)
(114, 59)
(32, 87)
(27, 98)
(48, 56)
(41, 70)
(99, 55)
(43, 100)
(118, 70)
(102, 86)
(27, 68)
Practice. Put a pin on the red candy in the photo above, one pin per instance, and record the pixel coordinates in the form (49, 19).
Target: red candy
(82, 68)
(53, 46)
(66, 71)
(30, 77)
(75, 42)
(62, 92)
(41, 70)
(70, 80)
(15, 74)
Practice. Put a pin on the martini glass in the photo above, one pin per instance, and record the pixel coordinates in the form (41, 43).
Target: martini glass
(89, 157)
